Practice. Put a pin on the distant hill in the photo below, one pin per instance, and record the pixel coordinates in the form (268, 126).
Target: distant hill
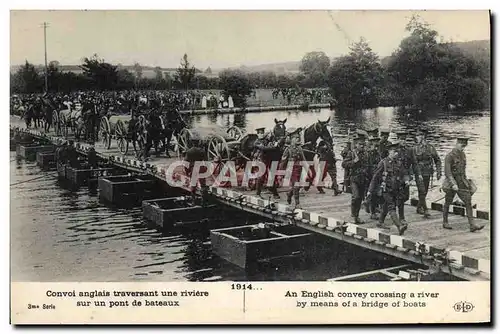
(278, 68)
(479, 49)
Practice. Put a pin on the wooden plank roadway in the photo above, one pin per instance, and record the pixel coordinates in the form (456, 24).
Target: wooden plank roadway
(458, 251)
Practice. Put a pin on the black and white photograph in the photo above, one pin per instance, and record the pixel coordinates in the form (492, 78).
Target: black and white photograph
(250, 146)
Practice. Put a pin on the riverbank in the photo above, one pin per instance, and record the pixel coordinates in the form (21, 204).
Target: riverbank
(254, 109)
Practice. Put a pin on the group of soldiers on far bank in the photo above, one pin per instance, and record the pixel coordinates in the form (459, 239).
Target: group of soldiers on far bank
(377, 173)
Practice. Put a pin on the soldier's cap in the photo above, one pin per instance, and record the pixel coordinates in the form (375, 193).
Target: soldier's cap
(372, 132)
(361, 133)
(374, 139)
(463, 140)
(401, 134)
(422, 132)
(260, 130)
(359, 138)
(293, 131)
(392, 145)
(385, 131)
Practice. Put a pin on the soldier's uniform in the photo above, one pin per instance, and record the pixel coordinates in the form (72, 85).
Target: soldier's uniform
(192, 155)
(456, 183)
(357, 162)
(389, 180)
(373, 160)
(327, 156)
(426, 156)
(382, 145)
(407, 157)
(262, 147)
(347, 171)
(295, 155)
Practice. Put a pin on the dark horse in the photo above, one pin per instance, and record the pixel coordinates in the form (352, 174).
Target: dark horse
(171, 124)
(311, 135)
(279, 130)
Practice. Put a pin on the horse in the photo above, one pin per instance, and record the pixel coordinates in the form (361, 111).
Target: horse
(170, 125)
(312, 133)
(279, 130)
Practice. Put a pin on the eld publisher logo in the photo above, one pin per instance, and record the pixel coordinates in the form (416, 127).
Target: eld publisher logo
(464, 307)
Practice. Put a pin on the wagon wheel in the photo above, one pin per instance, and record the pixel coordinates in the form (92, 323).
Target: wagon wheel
(235, 132)
(218, 148)
(105, 132)
(184, 142)
(121, 137)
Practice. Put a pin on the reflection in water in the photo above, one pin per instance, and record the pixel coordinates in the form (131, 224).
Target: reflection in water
(59, 235)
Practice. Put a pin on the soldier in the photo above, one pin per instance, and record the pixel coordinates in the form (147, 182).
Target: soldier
(407, 157)
(426, 156)
(388, 179)
(152, 133)
(132, 129)
(384, 140)
(326, 155)
(263, 148)
(294, 154)
(347, 172)
(357, 162)
(192, 155)
(456, 183)
(374, 159)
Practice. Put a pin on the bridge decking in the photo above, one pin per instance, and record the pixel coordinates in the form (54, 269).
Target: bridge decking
(459, 252)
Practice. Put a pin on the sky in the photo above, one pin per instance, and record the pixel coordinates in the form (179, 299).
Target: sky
(220, 38)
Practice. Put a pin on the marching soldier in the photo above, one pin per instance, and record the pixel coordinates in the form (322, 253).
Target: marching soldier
(294, 154)
(388, 180)
(456, 183)
(262, 150)
(192, 155)
(426, 156)
(374, 201)
(357, 162)
(384, 141)
(347, 172)
(407, 157)
(326, 155)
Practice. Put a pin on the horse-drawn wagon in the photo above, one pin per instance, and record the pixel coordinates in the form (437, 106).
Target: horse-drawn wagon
(117, 127)
(220, 144)
(67, 119)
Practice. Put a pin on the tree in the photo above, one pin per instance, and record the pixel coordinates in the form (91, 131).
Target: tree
(355, 79)
(138, 71)
(53, 76)
(314, 65)
(236, 84)
(185, 73)
(101, 74)
(429, 74)
(26, 79)
(158, 74)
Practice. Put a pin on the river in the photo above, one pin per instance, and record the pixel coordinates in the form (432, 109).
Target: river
(59, 235)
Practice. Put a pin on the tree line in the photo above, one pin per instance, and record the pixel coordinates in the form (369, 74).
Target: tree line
(421, 73)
